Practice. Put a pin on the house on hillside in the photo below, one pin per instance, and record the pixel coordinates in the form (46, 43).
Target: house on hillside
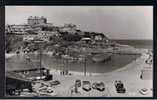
(69, 28)
(17, 29)
(36, 20)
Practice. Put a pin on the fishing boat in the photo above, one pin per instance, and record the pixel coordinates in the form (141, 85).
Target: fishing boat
(101, 57)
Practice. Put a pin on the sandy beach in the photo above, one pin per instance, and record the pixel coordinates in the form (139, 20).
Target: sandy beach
(129, 75)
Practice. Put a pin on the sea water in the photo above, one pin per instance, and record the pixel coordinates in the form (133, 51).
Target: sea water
(117, 61)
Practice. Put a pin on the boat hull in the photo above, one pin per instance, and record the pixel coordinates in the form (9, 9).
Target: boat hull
(101, 57)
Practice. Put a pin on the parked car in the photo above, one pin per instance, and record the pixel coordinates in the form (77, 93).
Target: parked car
(29, 94)
(98, 86)
(17, 92)
(12, 91)
(47, 92)
(43, 86)
(144, 91)
(56, 82)
(48, 78)
(120, 87)
(78, 83)
(86, 85)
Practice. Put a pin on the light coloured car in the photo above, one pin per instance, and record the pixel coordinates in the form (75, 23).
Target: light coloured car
(54, 83)
(28, 94)
(144, 91)
(47, 92)
(98, 86)
(86, 86)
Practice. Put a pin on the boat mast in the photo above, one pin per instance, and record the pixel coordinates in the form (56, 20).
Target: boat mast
(85, 65)
(39, 43)
(40, 60)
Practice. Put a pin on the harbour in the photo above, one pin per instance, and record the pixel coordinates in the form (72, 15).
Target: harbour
(62, 55)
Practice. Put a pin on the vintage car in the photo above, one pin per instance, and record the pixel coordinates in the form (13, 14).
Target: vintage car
(86, 86)
(98, 86)
(119, 87)
(144, 91)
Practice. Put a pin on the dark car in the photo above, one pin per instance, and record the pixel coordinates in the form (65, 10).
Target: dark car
(13, 92)
(56, 82)
(78, 83)
(99, 86)
(120, 87)
(86, 86)
(48, 78)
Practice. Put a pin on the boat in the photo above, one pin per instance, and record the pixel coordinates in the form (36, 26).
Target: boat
(101, 57)
(9, 55)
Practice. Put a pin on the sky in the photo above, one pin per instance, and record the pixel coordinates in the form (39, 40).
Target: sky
(116, 22)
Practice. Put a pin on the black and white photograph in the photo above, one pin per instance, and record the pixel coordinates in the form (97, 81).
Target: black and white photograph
(78, 51)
